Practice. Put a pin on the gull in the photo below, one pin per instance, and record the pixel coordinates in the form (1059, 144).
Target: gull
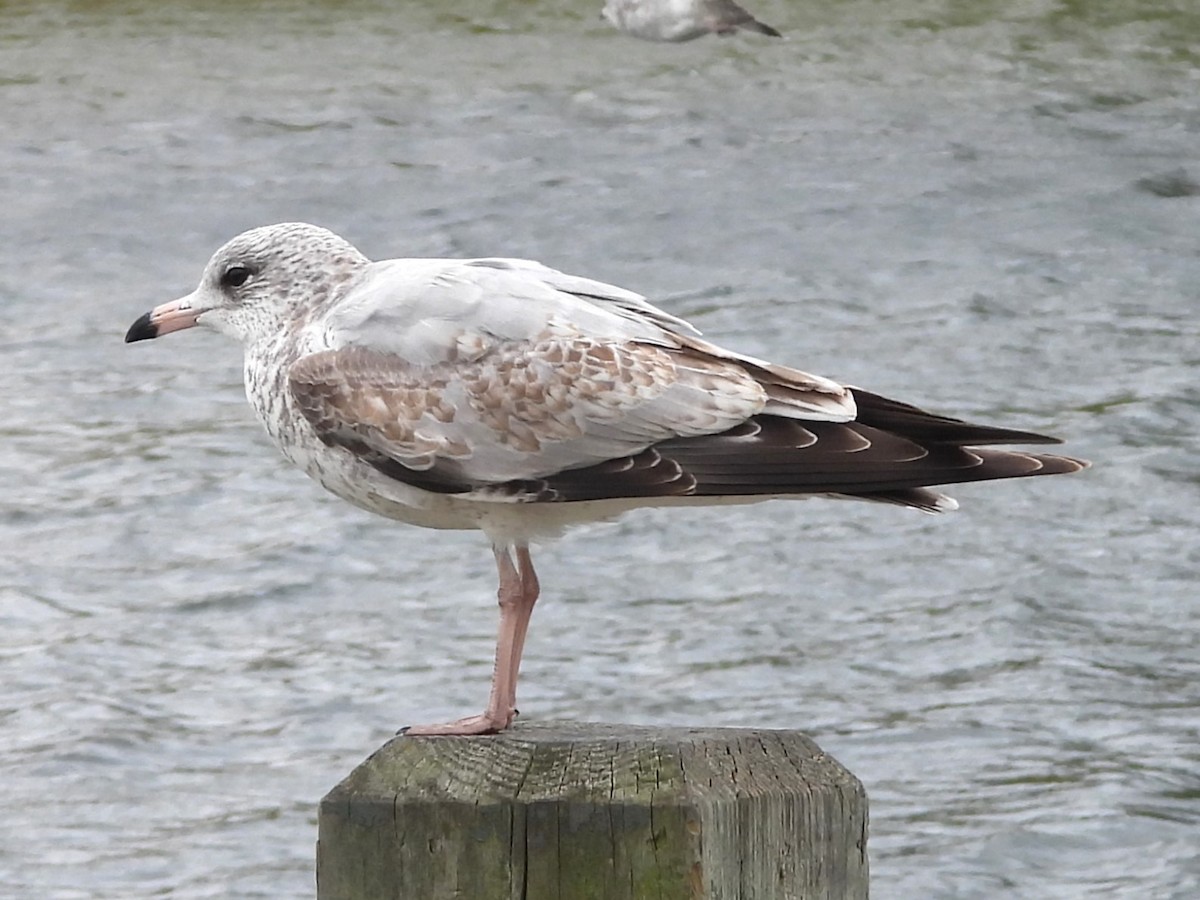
(505, 396)
(680, 20)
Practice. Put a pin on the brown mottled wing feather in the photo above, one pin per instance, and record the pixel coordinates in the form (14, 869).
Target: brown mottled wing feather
(358, 400)
(519, 411)
(402, 421)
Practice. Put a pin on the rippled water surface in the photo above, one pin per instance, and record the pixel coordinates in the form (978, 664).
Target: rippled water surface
(988, 208)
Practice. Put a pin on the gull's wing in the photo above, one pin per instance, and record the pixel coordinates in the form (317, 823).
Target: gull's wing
(729, 16)
(460, 375)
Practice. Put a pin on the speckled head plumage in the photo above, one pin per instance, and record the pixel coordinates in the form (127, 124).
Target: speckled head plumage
(261, 283)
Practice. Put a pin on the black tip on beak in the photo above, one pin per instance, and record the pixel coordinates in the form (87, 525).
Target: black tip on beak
(141, 330)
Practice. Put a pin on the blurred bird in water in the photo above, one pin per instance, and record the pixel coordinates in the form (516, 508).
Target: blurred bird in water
(680, 20)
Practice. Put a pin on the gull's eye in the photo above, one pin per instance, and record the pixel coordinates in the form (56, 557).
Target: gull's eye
(235, 277)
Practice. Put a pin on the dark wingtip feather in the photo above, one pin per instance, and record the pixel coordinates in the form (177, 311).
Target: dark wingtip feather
(913, 422)
(1061, 465)
(764, 28)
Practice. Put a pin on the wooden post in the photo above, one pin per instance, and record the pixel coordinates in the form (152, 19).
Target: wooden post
(565, 811)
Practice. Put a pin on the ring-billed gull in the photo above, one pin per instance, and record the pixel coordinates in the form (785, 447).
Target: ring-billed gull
(505, 396)
(680, 20)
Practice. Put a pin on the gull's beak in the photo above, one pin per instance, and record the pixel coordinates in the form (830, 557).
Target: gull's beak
(163, 319)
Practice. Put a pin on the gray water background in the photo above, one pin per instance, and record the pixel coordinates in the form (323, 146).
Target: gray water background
(987, 208)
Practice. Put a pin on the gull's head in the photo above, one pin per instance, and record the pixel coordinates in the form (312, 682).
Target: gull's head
(260, 283)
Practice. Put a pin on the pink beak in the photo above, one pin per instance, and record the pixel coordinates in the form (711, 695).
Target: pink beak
(163, 319)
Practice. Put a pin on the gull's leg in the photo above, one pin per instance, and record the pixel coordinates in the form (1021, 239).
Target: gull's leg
(530, 589)
(516, 605)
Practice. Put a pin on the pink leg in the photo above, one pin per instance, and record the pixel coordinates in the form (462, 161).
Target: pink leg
(530, 589)
(517, 594)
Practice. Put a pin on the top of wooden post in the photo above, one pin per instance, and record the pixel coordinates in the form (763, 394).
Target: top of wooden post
(571, 811)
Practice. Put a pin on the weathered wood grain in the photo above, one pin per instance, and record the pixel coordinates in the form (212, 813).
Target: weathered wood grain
(564, 811)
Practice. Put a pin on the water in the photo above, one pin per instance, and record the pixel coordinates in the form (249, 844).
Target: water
(987, 208)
